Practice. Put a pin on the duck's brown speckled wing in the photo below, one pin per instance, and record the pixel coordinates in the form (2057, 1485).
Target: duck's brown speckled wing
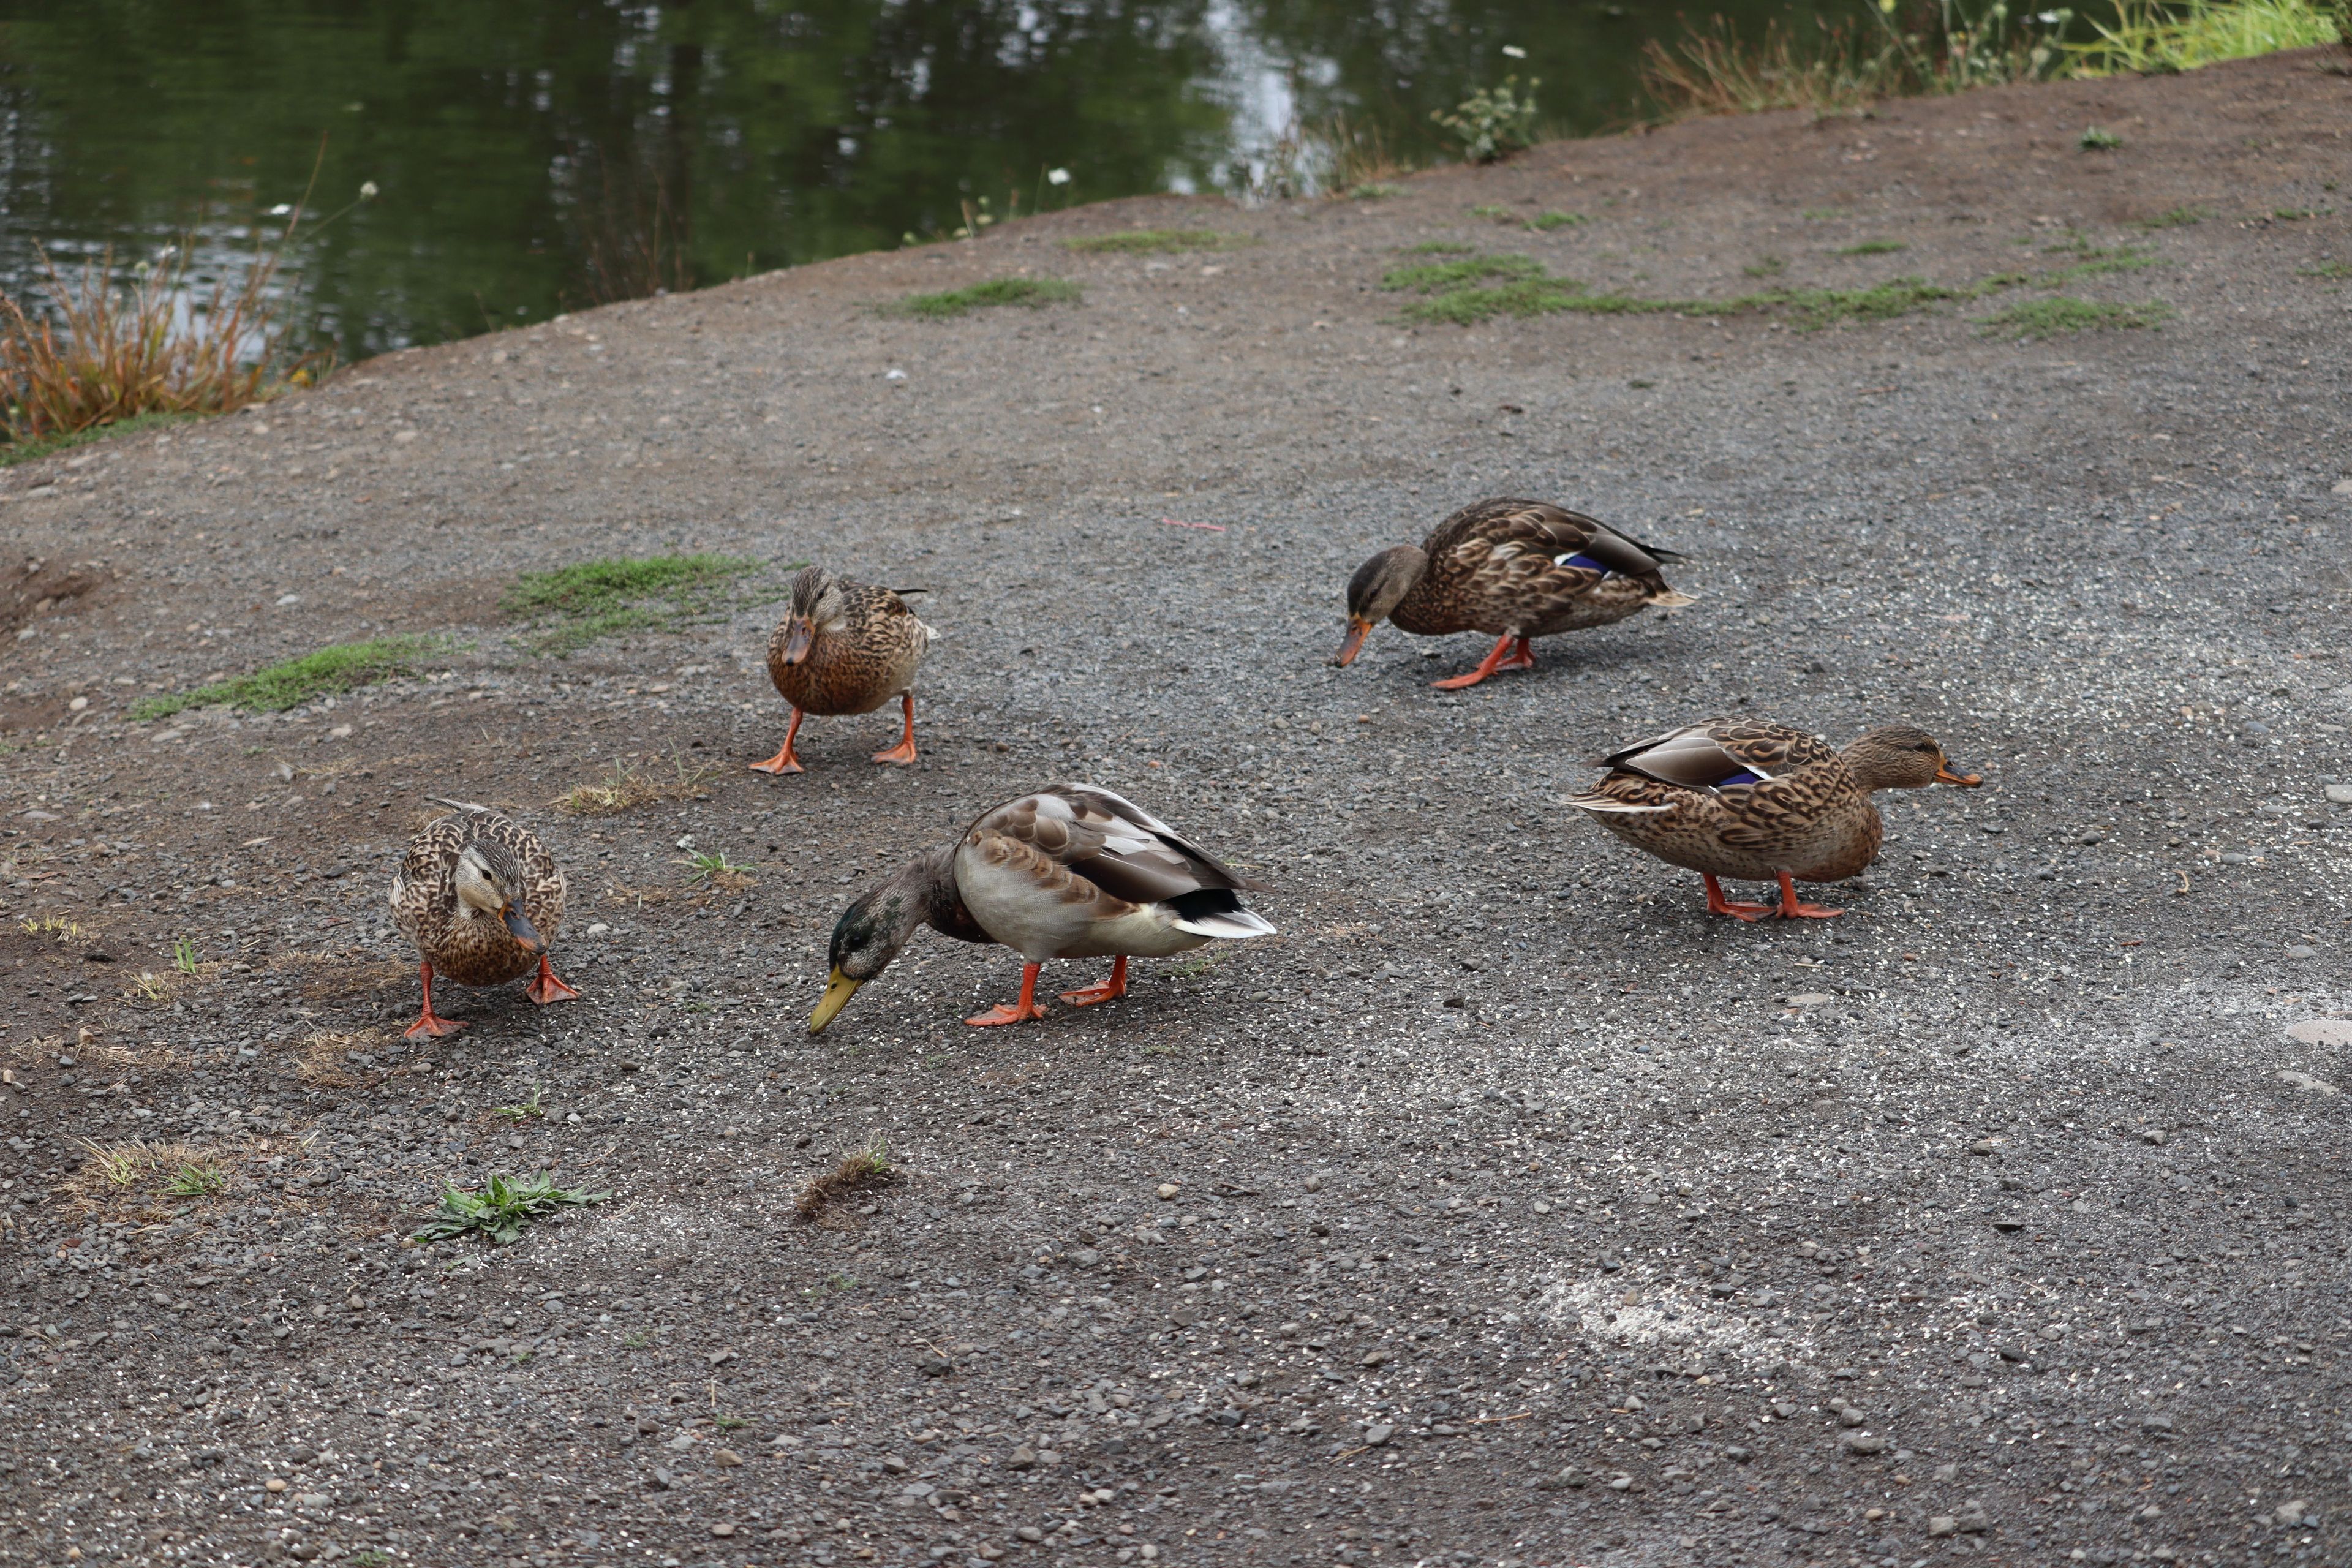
(1109, 841)
(424, 890)
(1703, 755)
(1521, 565)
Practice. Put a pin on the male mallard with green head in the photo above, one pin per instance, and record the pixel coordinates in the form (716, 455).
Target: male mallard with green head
(1748, 798)
(1071, 871)
(481, 898)
(1516, 569)
(845, 647)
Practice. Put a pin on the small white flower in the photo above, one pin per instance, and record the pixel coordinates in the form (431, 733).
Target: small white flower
(1058, 177)
(1516, 52)
(367, 190)
(282, 209)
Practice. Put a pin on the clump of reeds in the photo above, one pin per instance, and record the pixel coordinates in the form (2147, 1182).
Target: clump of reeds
(111, 345)
(1830, 67)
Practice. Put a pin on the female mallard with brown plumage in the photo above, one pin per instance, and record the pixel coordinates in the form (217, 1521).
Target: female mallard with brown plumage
(1072, 871)
(481, 898)
(845, 647)
(1516, 569)
(1747, 798)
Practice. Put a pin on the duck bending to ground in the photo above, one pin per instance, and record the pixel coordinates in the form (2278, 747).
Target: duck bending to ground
(845, 647)
(1748, 798)
(1516, 569)
(1071, 871)
(481, 898)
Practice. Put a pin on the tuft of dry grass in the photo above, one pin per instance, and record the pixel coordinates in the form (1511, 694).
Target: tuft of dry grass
(106, 348)
(629, 786)
(868, 1167)
(1830, 67)
(140, 1180)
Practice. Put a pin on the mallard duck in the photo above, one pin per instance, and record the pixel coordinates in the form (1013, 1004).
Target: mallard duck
(481, 898)
(1747, 798)
(1516, 569)
(845, 647)
(1072, 871)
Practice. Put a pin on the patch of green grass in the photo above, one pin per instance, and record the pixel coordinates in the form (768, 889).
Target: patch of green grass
(1873, 248)
(2047, 318)
(2296, 215)
(1826, 214)
(1766, 266)
(2178, 217)
(1527, 297)
(573, 606)
(14, 452)
(2333, 269)
(1438, 248)
(183, 956)
(1374, 191)
(2094, 139)
(2150, 38)
(338, 668)
(1491, 209)
(715, 868)
(195, 1181)
(637, 1341)
(2094, 263)
(501, 1210)
(1033, 292)
(1440, 277)
(1544, 223)
(529, 1110)
(1152, 241)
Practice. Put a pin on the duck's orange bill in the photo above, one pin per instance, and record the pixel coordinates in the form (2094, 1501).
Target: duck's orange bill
(797, 641)
(1943, 774)
(1359, 630)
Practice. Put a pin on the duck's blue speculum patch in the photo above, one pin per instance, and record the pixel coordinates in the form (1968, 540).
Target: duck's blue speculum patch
(1742, 776)
(1580, 559)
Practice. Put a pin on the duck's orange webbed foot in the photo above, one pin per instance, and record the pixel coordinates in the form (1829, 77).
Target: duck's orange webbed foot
(1013, 1012)
(1522, 656)
(904, 751)
(783, 762)
(1487, 667)
(1716, 904)
(1792, 907)
(546, 987)
(1103, 989)
(429, 1024)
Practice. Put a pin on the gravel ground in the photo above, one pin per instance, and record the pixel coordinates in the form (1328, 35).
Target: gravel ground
(1505, 1208)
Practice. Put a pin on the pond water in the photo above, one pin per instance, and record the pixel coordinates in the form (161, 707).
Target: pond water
(530, 156)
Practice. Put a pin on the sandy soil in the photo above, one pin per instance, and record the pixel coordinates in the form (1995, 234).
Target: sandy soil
(1520, 1212)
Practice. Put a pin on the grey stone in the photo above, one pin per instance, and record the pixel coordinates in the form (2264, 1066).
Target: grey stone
(1864, 1444)
(2308, 1084)
(1378, 1435)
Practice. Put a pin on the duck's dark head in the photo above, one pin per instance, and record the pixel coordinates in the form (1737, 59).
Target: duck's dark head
(1378, 585)
(866, 937)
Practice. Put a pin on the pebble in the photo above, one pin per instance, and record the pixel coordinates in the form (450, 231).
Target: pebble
(2340, 794)
(1168, 1191)
(1942, 1524)
(2308, 1084)
(2340, 487)
(2322, 1031)
(1862, 1443)
(1377, 1435)
(2299, 951)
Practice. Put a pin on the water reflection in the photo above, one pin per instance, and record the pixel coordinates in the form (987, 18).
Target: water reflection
(539, 154)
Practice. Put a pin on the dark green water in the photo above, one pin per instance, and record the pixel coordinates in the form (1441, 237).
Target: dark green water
(532, 155)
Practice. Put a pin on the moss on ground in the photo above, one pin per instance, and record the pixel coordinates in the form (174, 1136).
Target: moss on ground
(14, 452)
(572, 607)
(2048, 317)
(1033, 292)
(1154, 241)
(341, 667)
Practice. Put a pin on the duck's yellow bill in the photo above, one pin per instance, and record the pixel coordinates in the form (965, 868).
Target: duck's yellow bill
(1359, 630)
(838, 989)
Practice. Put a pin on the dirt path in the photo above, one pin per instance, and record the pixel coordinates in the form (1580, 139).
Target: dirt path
(1519, 1211)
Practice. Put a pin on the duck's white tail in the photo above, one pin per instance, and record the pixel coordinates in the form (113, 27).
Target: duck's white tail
(1233, 924)
(1602, 804)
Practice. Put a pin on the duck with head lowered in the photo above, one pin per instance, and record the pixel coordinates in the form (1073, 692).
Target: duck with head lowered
(1071, 871)
(1516, 569)
(481, 898)
(845, 647)
(1748, 798)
